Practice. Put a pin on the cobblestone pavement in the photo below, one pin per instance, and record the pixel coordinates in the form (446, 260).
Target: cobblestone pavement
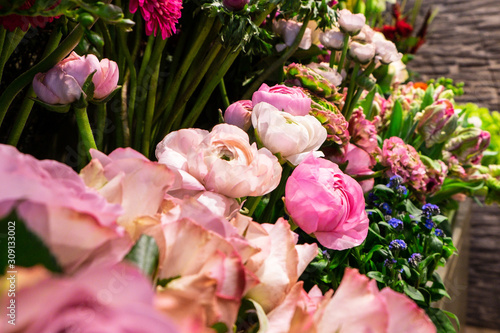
(464, 44)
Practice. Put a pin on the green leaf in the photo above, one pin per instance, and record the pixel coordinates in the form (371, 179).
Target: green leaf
(220, 328)
(428, 97)
(452, 316)
(440, 320)
(144, 255)
(413, 293)
(369, 255)
(377, 276)
(383, 188)
(396, 120)
(59, 108)
(411, 208)
(367, 104)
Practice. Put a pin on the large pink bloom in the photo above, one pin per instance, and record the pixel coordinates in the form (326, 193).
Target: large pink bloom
(76, 223)
(289, 99)
(112, 299)
(160, 15)
(222, 161)
(321, 199)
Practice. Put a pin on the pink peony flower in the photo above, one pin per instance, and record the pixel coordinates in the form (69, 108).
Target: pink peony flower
(128, 178)
(403, 160)
(321, 199)
(289, 99)
(293, 137)
(76, 223)
(115, 299)
(160, 15)
(239, 113)
(359, 163)
(364, 134)
(222, 161)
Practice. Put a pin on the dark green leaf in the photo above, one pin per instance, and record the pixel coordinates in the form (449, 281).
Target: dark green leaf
(59, 108)
(144, 255)
(413, 293)
(440, 320)
(377, 276)
(428, 97)
(396, 120)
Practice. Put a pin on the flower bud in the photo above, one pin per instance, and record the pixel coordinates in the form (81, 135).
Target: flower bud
(438, 122)
(351, 23)
(362, 53)
(235, 5)
(468, 144)
(239, 114)
(332, 39)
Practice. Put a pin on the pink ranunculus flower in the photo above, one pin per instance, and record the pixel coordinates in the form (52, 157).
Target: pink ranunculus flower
(239, 114)
(324, 201)
(104, 298)
(364, 134)
(359, 163)
(280, 261)
(222, 161)
(289, 99)
(106, 76)
(56, 87)
(358, 306)
(403, 160)
(293, 137)
(128, 178)
(351, 23)
(75, 222)
(288, 30)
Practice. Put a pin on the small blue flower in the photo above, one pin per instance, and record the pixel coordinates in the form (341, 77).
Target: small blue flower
(386, 209)
(429, 224)
(397, 244)
(395, 181)
(372, 197)
(396, 223)
(430, 210)
(414, 259)
(439, 232)
(401, 190)
(389, 262)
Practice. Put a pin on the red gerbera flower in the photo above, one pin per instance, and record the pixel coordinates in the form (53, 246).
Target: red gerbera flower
(159, 14)
(13, 21)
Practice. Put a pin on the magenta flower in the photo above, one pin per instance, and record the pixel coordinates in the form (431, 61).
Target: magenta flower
(363, 133)
(160, 15)
(289, 99)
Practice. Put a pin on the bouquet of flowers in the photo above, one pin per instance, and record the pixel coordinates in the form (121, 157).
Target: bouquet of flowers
(315, 202)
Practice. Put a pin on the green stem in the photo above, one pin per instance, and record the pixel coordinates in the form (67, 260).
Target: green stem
(146, 57)
(376, 174)
(223, 93)
(86, 135)
(108, 44)
(333, 55)
(129, 107)
(100, 124)
(347, 109)
(279, 62)
(3, 33)
(48, 62)
(13, 39)
(146, 139)
(267, 214)
(25, 109)
(252, 203)
(344, 53)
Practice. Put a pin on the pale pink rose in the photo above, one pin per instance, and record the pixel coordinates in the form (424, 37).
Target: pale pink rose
(288, 30)
(289, 99)
(200, 250)
(128, 178)
(359, 163)
(293, 137)
(279, 263)
(222, 161)
(324, 201)
(351, 23)
(75, 222)
(112, 299)
(239, 114)
(106, 77)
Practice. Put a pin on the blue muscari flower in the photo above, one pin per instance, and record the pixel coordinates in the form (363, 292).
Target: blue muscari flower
(439, 232)
(397, 244)
(414, 259)
(389, 262)
(395, 223)
(429, 224)
(386, 209)
(430, 210)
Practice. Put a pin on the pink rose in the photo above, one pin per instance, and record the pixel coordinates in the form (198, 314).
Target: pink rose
(112, 299)
(321, 199)
(288, 99)
(239, 114)
(222, 161)
(75, 222)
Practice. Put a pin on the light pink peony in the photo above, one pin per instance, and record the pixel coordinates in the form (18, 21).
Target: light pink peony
(324, 201)
(289, 99)
(239, 114)
(128, 178)
(222, 161)
(359, 163)
(76, 223)
(293, 137)
(115, 299)
(403, 160)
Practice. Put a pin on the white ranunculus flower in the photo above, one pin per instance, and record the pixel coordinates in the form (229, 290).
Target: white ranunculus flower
(386, 51)
(291, 136)
(289, 29)
(332, 39)
(362, 53)
(351, 23)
